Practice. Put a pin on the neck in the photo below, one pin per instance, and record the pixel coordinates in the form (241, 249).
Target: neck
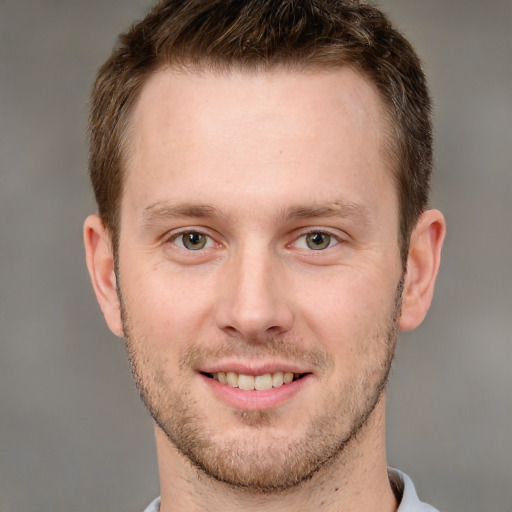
(357, 480)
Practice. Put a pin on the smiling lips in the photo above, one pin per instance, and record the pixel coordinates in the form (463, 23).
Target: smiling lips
(255, 382)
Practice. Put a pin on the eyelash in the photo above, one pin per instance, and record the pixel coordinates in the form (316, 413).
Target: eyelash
(176, 236)
(333, 238)
(210, 242)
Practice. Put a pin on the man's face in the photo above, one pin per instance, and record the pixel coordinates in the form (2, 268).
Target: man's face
(258, 242)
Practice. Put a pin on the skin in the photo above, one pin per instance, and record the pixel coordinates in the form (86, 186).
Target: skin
(255, 163)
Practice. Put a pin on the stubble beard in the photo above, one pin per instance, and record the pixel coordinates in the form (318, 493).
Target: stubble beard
(263, 462)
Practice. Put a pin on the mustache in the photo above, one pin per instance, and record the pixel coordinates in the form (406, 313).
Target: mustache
(277, 347)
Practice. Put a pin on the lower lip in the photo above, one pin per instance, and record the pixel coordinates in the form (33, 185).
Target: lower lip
(255, 400)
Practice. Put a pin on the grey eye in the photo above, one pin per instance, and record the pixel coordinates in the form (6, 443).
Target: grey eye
(318, 241)
(193, 240)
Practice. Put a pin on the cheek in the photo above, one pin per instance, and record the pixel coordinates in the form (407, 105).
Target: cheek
(164, 306)
(348, 310)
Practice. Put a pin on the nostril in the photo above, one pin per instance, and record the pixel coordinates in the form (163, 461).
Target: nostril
(231, 331)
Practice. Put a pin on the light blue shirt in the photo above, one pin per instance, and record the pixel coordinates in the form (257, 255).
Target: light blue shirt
(401, 483)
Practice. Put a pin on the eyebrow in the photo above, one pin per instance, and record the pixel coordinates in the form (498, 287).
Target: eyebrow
(164, 211)
(341, 208)
(338, 208)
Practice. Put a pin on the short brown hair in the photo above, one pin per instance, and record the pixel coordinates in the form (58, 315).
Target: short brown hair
(261, 34)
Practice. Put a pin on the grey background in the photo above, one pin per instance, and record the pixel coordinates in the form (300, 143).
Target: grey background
(73, 435)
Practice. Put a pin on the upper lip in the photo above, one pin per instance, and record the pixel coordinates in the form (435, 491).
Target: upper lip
(256, 368)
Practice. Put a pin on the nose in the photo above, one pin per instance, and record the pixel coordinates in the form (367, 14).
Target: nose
(252, 302)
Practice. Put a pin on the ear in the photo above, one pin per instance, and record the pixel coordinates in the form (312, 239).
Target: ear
(100, 263)
(422, 267)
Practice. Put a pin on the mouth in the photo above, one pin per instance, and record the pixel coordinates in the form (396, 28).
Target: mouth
(255, 382)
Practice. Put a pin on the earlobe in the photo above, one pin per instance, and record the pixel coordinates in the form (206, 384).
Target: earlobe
(100, 263)
(422, 267)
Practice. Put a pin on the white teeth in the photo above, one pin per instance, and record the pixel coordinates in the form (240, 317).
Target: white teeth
(246, 382)
(263, 382)
(277, 379)
(288, 377)
(232, 379)
(258, 382)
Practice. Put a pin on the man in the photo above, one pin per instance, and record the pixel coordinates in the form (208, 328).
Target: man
(262, 172)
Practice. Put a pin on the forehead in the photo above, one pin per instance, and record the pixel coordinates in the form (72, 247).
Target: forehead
(175, 96)
(246, 130)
